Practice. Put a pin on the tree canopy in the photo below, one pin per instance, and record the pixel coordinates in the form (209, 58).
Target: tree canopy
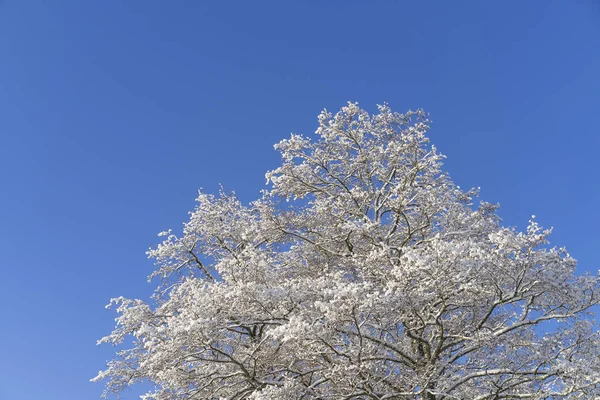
(362, 272)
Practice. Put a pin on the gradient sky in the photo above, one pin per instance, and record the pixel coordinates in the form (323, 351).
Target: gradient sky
(114, 113)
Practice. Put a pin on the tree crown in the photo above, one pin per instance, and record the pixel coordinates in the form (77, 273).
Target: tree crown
(363, 272)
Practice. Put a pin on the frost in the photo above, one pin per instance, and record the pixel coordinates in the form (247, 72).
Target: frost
(363, 272)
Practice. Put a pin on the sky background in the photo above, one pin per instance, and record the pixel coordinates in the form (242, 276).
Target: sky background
(113, 114)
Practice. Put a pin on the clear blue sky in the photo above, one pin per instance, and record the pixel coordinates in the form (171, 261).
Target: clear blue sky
(113, 114)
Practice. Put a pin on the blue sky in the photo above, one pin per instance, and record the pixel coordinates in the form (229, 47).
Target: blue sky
(113, 114)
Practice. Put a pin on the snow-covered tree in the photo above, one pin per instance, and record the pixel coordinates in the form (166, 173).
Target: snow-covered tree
(363, 272)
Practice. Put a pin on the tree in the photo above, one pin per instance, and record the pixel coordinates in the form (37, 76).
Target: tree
(364, 272)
